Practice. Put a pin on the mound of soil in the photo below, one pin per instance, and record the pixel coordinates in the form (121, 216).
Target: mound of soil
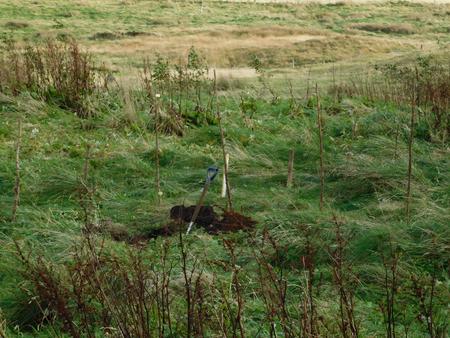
(208, 219)
(205, 217)
(232, 221)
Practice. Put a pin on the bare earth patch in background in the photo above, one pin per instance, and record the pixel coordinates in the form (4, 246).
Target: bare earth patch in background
(220, 46)
(230, 50)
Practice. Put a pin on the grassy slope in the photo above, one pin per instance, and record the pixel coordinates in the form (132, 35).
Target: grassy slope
(344, 31)
(365, 183)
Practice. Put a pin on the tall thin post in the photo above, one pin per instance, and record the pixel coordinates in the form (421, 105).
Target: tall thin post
(17, 181)
(290, 176)
(224, 180)
(158, 175)
(86, 192)
(410, 153)
(320, 129)
(307, 84)
(224, 153)
(334, 84)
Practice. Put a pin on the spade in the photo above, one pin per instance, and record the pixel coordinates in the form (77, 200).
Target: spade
(211, 173)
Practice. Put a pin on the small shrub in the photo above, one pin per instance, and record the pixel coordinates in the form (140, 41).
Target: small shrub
(248, 106)
(184, 89)
(59, 72)
(427, 77)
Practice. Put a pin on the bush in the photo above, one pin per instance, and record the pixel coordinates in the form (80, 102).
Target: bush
(57, 71)
(427, 78)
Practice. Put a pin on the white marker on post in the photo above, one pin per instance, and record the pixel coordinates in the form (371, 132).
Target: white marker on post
(224, 177)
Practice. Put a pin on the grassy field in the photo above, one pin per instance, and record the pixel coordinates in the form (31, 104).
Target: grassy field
(85, 139)
(230, 34)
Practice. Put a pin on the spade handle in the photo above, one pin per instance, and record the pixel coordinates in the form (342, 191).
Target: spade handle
(197, 208)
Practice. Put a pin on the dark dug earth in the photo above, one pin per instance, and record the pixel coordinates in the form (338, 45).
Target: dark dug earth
(208, 219)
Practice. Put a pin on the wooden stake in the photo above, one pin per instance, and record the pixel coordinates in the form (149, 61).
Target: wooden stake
(17, 181)
(397, 130)
(224, 153)
(158, 177)
(86, 191)
(319, 126)
(224, 178)
(290, 176)
(307, 84)
(410, 153)
(334, 85)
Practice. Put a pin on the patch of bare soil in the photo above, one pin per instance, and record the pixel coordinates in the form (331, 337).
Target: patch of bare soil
(220, 46)
(208, 219)
(232, 221)
(205, 218)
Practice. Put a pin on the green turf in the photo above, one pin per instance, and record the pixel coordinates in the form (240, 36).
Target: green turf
(365, 184)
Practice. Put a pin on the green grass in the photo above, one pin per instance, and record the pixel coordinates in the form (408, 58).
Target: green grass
(365, 185)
